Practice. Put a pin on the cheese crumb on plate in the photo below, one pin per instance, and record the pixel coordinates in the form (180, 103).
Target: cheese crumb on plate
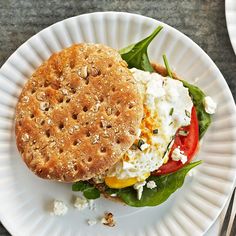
(81, 203)
(92, 222)
(59, 208)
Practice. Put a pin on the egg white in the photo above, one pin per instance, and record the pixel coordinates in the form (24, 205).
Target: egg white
(167, 106)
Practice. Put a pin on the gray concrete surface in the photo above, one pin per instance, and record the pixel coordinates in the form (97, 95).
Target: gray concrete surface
(202, 20)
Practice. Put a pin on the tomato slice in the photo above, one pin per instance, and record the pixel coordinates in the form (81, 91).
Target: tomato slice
(188, 144)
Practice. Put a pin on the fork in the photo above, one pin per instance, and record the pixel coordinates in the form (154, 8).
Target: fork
(227, 218)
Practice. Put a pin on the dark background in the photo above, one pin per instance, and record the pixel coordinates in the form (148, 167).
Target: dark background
(202, 20)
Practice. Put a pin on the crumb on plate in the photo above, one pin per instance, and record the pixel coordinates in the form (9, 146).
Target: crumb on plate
(59, 208)
(108, 219)
(91, 222)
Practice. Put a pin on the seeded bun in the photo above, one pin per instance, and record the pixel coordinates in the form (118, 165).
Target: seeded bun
(78, 113)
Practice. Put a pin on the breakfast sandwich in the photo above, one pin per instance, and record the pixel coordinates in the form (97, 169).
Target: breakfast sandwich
(112, 123)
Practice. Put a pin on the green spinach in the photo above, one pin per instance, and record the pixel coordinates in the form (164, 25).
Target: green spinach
(89, 191)
(166, 185)
(167, 66)
(204, 119)
(136, 54)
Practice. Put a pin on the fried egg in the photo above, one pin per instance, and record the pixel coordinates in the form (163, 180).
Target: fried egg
(167, 107)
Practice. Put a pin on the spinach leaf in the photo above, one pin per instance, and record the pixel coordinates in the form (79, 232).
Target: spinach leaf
(167, 66)
(136, 54)
(204, 119)
(80, 186)
(89, 191)
(111, 191)
(166, 185)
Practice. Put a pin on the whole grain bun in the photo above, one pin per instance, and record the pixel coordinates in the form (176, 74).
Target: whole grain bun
(78, 113)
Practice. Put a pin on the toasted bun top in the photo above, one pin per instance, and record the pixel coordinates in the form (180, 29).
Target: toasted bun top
(78, 113)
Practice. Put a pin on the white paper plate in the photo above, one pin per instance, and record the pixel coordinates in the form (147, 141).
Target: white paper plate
(24, 197)
(230, 13)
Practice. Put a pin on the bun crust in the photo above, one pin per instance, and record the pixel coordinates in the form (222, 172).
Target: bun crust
(78, 113)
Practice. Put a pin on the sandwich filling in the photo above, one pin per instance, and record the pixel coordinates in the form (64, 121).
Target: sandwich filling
(167, 107)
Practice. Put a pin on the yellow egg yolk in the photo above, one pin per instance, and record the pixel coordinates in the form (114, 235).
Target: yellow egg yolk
(148, 124)
(113, 182)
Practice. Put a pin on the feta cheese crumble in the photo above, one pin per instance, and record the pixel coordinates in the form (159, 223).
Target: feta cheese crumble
(81, 203)
(139, 187)
(151, 184)
(91, 205)
(209, 105)
(178, 155)
(59, 208)
(92, 222)
(144, 146)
